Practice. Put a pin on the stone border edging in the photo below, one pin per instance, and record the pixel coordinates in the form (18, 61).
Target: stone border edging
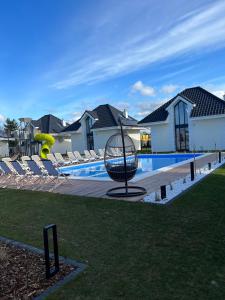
(80, 267)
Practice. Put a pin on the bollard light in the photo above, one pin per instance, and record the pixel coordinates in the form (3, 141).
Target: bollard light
(49, 273)
(163, 191)
(219, 156)
(192, 170)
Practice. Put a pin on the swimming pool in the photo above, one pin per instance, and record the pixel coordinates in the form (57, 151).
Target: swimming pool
(147, 163)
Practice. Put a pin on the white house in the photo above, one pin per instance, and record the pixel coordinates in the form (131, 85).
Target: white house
(4, 146)
(53, 125)
(193, 120)
(94, 128)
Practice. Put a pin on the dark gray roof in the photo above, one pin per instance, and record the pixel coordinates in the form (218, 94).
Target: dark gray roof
(106, 115)
(206, 104)
(49, 124)
(72, 127)
(92, 113)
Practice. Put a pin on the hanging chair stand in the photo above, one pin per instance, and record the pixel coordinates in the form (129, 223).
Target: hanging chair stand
(137, 191)
(125, 174)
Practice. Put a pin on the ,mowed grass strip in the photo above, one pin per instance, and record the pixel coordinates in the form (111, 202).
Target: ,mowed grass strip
(133, 250)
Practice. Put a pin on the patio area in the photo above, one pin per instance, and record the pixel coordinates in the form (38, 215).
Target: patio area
(98, 188)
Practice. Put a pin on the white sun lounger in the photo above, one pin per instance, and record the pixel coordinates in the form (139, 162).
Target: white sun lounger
(88, 155)
(52, 158)
(38, 161)
(7, 160)
(79, 157)
(14, 170)
(93, 154)
(72, 157)
(60, 159)
(24, 159)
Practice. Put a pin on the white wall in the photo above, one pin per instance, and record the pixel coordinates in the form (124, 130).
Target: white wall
(78, 142)
(4, 148)
(162, 138)
(136, 137)
(207, 134)
(163, 135)
(62, 145)
(101, 137)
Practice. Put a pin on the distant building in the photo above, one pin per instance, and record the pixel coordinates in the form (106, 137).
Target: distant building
(53, 125)
(193, 120)
(95, 126)
(4, 144)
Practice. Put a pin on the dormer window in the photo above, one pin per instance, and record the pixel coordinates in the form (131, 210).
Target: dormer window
(181, 126)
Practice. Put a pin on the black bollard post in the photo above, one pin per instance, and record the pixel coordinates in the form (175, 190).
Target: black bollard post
(163, 191)
(49, 273)
(192, 169)
(219, 157)
(209, 165)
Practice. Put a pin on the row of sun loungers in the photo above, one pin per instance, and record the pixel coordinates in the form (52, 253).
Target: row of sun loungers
(34, 170)
(58, 160)
(32, 173)
(75, 157)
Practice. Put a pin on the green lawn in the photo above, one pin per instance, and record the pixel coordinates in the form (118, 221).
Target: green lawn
(133, 250)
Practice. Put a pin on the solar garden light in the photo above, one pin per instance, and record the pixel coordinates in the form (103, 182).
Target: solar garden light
(192, 170)
(219, 157)
(49, 273)
(163, 191)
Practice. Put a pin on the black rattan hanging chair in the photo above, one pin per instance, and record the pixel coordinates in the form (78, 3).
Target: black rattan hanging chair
(121, 163)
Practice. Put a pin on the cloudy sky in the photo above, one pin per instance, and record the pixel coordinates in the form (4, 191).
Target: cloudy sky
(65, 56)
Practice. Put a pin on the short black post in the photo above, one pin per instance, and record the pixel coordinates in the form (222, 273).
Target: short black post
(192, 169)
(163, 191)
(219, 157)
(209, 165)
(48, 271)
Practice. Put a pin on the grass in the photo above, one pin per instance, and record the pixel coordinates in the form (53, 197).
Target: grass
(133, 250)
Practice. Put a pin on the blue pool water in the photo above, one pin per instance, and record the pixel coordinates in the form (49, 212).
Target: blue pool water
(146, 164)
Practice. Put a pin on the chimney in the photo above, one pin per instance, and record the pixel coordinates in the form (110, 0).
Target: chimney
(125, 113)
(224, 97)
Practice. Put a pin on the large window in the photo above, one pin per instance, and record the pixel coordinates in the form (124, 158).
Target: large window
(181, 126)
(90, 139)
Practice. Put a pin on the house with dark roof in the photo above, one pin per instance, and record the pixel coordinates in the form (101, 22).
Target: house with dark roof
(192, 120)
(95, 126)
(53, 125)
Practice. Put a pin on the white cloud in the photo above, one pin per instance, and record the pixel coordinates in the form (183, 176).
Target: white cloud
(145, 108)
(204, 30)
(219, 94)
(2, 119)
(144, 90)
(122, 105)
(75, 116)
(169, 88)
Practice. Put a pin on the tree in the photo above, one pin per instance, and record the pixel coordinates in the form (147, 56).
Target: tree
(10, 126)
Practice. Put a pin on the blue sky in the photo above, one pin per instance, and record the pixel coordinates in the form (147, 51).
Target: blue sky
(63, 57)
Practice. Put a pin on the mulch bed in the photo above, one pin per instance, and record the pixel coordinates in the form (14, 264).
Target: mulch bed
(22, 273)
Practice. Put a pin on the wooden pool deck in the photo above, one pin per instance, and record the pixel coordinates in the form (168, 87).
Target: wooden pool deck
(97, 188)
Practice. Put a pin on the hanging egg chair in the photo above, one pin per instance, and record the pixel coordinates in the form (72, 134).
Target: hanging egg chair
(121, 163)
